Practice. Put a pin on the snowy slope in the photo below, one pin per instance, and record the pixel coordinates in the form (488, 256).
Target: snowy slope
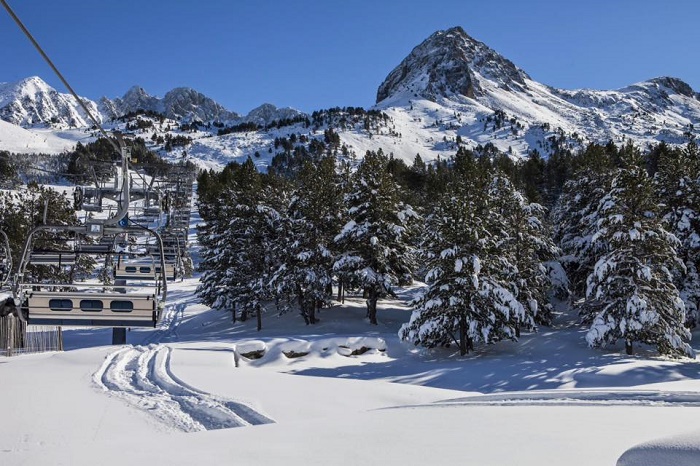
(163, 398)
(18, 140)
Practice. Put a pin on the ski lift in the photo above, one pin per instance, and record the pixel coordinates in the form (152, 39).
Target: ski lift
(91, 199)
(96, 303)
(142, 270)
(86, 304)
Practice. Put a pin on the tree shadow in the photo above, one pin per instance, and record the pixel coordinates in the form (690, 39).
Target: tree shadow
(549, 360)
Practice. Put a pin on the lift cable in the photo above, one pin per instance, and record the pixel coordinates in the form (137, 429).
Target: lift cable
(48, 60)
(120, 147)
(58, 73)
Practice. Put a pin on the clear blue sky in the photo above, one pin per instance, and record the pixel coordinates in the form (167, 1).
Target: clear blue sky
(314, 54)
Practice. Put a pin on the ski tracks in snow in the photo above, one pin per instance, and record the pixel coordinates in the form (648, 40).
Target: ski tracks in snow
(167, 328)
(142, 376)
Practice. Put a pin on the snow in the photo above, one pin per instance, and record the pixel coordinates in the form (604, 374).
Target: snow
(680, 450)
(200, 389)
(16, 139)
(388, 405)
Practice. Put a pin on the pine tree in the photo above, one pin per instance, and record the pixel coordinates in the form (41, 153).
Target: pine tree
(306, 252)
(677, 183)
(238, 241)
(373, 244)
(217, 285)
(575, 217)
(526, 243)
(630, 293)
(467, 300)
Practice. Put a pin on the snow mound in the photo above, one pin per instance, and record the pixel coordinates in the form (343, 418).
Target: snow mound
(254, 349)
(678, 450)
(295, 348)
(355, 346)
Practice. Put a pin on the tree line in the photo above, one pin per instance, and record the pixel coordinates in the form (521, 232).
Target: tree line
(610, 228)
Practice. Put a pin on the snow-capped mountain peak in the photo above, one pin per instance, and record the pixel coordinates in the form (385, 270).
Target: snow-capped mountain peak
(32, 101)
(179, 103)
(458, 86)
(137, 98)
(677, 85)
(184, 102)
(451, 63)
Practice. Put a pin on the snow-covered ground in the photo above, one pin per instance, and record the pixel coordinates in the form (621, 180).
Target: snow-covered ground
(193, 392)
(16, 139)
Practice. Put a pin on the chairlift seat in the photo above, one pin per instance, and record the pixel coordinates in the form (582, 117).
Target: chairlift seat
(95, 248)
(91, 309)
(142, 271)
(58, 258)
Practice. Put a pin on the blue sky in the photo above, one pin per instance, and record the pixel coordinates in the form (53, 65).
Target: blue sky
(313, 54)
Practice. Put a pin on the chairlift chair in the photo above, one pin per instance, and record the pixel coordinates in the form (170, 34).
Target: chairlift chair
(87, 304)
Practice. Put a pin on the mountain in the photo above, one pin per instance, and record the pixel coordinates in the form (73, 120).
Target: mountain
(31, 102)
(268, 113)
(452, 73)
(451, 90)
(179, 103)
(448, 64)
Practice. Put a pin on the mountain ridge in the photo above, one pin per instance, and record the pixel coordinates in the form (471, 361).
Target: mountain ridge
(451, 90)
(31, 101)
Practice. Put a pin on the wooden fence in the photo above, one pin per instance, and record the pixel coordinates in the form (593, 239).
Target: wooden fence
(18, 338)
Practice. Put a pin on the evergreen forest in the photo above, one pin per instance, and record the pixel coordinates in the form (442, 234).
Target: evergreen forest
(610, 231)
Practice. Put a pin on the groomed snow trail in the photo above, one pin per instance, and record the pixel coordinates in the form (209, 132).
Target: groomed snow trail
(142, 376)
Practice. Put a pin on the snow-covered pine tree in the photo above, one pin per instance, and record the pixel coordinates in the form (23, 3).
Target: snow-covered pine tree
(630, 294)
(221, 198)
(306, 256)
(214, 289)
(466, 300)
(373, 245)
(239, 243)
(527, 244)
(677, 183)
(575, 216)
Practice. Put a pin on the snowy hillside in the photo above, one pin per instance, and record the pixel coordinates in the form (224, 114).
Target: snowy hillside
(482, 97)
(16, 139)
(33, 102)
(450, 90)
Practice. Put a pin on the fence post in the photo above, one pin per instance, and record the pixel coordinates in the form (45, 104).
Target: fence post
(10, 321)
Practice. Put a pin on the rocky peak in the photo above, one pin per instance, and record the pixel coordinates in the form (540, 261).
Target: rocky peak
(184, 102)
(137, 98)
(181, 102)
(451, 63)
(675, 84)
(267, 113)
